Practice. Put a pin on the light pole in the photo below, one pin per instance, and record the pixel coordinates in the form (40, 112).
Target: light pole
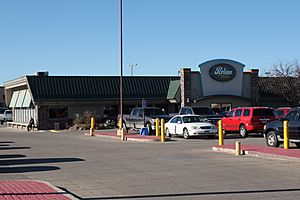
(131, 68)
(121, 67)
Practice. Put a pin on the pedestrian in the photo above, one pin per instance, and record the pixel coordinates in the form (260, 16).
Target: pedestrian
(31, 124)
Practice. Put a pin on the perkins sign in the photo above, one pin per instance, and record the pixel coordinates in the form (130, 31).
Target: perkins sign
(222, 72)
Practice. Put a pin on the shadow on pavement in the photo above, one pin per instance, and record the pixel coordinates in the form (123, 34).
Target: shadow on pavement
(10, 148)
(38, 161)
(6, 170)
(152, 196)
(12, 156)
(4, 145)
(6, 142)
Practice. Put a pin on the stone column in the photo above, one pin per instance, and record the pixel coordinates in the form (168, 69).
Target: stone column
(254, 87)
(185, 86)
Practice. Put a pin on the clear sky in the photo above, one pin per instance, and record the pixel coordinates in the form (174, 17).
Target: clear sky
(82, 37)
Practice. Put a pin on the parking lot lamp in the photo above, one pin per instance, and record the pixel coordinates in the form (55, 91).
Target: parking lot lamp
(121, 67)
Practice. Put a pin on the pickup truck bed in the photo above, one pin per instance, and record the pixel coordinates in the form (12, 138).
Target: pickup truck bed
(144, 117)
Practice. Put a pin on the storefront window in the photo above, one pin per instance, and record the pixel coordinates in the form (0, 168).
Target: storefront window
(58, 112)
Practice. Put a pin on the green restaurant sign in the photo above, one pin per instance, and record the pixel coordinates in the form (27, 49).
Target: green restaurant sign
(222, 72)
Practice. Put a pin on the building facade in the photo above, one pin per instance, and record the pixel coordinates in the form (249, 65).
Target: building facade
(2, 97)
(221, 84)
(59, 100)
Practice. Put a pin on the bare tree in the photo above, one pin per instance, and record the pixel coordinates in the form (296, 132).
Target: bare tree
(285, 69)
(286, 81)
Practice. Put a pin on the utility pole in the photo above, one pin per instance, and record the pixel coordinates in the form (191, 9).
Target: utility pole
(121, 67)
(131, 68)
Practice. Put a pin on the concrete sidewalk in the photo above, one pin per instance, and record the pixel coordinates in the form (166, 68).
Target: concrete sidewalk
(261, 151)
(129, 136)
(31, 189)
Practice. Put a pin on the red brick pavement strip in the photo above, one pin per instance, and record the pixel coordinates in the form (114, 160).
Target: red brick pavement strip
(130, 136)
(29, 189)
(266, 151)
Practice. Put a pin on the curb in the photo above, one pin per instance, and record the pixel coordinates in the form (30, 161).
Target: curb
(58, 189)
(223, 150)
(254, 154)
(129, 138)
(27, 189)
(270, 156)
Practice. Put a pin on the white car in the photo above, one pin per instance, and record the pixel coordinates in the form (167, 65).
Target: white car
(6, 116)
(189, 125)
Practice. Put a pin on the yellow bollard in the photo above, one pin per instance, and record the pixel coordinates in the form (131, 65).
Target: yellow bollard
(157, 127)
(285, 134)
(237, 148)
(162, 133)
(220, 130)
(92, 126)
(122, 135)
(120, 131)
(93, 122)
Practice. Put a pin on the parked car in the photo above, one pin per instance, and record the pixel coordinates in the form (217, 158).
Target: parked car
(6, 116)
(273, 131)
(281, 112)
(205, 112)
(189, 125)
(247, 119)
(108, 121)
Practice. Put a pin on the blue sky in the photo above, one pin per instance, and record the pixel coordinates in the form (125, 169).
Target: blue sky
(82, 37)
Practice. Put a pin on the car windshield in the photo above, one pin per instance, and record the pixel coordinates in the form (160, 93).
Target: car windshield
(203, 111)
(263, 112)
(153, 111)
(192, 119)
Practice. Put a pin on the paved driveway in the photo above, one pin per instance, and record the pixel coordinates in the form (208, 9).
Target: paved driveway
(104, 168)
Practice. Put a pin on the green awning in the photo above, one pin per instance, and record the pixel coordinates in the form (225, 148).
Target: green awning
(27, 99)
(20, 99)
(173, 89)
(14, 99)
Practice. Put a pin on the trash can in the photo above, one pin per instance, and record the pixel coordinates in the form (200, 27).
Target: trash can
(144, 131)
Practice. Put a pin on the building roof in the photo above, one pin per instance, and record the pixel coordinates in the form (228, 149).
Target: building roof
(98, 87)
(269, 86)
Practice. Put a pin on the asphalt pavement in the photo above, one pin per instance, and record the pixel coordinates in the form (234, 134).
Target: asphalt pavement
(106, 168)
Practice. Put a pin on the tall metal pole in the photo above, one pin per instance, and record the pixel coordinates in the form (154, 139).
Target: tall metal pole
(121, 59)
(131, 68)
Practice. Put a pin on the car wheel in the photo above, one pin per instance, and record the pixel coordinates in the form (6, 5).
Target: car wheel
(125, 127)
(211, 137)
(272, 140)
(185, 134)
(297, 144)
(168, 134)
(2, 122)
(148, 125)
(243, 131)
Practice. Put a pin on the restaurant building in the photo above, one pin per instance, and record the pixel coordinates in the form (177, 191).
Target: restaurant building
(219, 83)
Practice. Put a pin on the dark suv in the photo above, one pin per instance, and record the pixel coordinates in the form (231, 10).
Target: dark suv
(204, 112)
(273, 131)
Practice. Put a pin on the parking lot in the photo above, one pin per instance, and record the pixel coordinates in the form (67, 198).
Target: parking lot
(104, 168)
